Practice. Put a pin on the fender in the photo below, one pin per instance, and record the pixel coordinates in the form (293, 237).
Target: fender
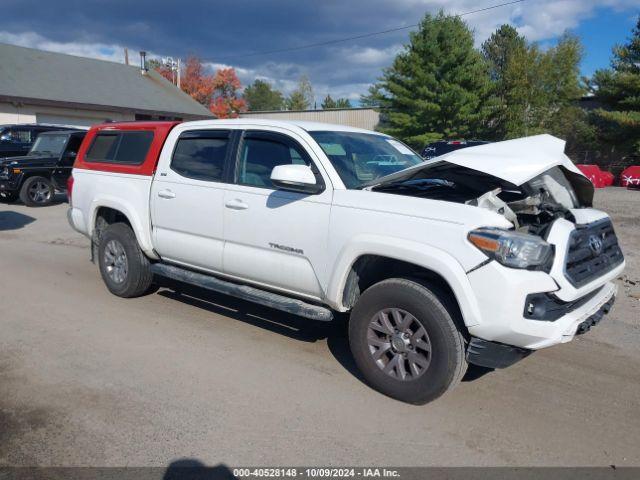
(416, 253)
(139, 220)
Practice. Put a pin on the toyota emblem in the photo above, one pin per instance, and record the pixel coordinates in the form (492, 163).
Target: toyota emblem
(595, 244)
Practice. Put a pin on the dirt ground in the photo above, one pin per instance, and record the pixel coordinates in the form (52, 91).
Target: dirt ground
(90, 379)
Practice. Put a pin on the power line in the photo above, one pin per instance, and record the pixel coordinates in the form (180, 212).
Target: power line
(355, 37)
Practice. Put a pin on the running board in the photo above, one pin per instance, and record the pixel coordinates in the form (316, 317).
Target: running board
(245, 292)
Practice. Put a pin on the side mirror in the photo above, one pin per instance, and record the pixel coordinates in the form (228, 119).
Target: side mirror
(295, 178)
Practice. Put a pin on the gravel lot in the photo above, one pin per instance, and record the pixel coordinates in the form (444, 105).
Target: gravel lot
(87, 378)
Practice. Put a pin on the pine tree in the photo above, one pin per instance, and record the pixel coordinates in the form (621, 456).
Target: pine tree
(437, 86)
(618, 88)
(499, 51)
(262, 96)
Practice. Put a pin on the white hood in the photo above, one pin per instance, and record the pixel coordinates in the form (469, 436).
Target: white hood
(516, 161)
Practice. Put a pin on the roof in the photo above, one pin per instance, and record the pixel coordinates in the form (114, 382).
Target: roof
(30, 74)
(301, 124)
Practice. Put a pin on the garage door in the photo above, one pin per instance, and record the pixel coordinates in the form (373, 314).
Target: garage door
(69, 119)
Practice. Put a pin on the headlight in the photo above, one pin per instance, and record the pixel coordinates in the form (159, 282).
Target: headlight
(512, 249)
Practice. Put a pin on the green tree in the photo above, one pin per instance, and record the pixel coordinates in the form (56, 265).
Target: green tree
(260, 95)
(329, 102)
(618, 88)
(302, 97)
(499, 51)
(437, 85)
(541, 89)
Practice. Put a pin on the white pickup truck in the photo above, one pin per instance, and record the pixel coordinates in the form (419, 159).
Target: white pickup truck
(479, 256)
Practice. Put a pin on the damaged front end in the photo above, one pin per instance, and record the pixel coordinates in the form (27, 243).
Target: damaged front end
(528, 191)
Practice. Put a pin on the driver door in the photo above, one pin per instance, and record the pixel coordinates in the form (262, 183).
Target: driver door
(275, 237)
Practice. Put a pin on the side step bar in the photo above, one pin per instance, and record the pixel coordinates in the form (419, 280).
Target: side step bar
(245, 292)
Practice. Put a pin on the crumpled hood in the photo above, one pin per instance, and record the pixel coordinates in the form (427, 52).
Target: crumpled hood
(515, 161)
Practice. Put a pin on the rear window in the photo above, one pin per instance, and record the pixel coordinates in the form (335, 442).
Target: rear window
(129, 148)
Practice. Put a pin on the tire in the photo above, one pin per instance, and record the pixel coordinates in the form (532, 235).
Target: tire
(125, 269)
(37, 192)
(421, 365)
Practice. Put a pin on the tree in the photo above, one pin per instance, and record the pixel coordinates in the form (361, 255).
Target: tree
(329, 102)
(499, 51)
(161, 68)
(618, 88)
(537, 91)
(261, 96)
(225, 101)
(196, 82)
(302, 97)
(437, 86)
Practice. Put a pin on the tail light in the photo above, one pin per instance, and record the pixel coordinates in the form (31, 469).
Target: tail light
(69, 188)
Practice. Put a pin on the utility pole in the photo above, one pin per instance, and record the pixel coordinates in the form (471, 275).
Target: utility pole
(178, 73)
(126, 56)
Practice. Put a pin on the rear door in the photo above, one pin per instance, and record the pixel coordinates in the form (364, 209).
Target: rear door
(187, 200)
(274, 237)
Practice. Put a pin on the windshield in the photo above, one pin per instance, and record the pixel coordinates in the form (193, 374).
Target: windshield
(360, 158)
(50, 144)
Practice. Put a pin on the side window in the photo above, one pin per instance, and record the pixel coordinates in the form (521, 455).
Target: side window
(20, 135)
(261, 153)
(72, 147)
(201, 155)
(129, 148)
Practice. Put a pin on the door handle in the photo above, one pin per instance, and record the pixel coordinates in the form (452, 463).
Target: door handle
(236, 204)
(166, 194)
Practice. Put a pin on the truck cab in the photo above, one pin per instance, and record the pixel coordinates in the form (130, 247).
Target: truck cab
(35, 177)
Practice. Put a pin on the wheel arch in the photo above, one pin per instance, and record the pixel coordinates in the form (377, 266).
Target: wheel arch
(366, 262)
(106, 211)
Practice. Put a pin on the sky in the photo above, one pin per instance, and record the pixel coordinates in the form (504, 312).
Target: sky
(230, 32)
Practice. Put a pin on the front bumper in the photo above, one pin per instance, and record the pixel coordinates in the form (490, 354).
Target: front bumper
(502, 296)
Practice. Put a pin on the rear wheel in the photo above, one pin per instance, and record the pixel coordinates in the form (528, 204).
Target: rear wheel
(37, 192)
(125, 269)
(405, 341)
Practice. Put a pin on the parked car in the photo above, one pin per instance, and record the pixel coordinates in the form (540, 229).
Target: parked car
(435, 149)
(439, 264)
(630, 177)
(16, 140)
(36, 177)
(598, 177)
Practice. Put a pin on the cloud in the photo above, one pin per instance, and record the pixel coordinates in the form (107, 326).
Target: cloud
(223, 32)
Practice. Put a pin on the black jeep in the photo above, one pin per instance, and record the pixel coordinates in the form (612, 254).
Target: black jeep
(16, 140)
(35, 177)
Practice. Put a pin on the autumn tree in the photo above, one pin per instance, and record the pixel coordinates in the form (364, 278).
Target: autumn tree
(226, 101)
(302, 97)
(260, 95)
(196, 82)
(161, 68)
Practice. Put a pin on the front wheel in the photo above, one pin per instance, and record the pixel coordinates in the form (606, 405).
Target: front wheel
(405, 341)
(125, 269)
(37, 192)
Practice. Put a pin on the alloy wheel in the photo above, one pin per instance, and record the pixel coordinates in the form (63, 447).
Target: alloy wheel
(399, 344)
